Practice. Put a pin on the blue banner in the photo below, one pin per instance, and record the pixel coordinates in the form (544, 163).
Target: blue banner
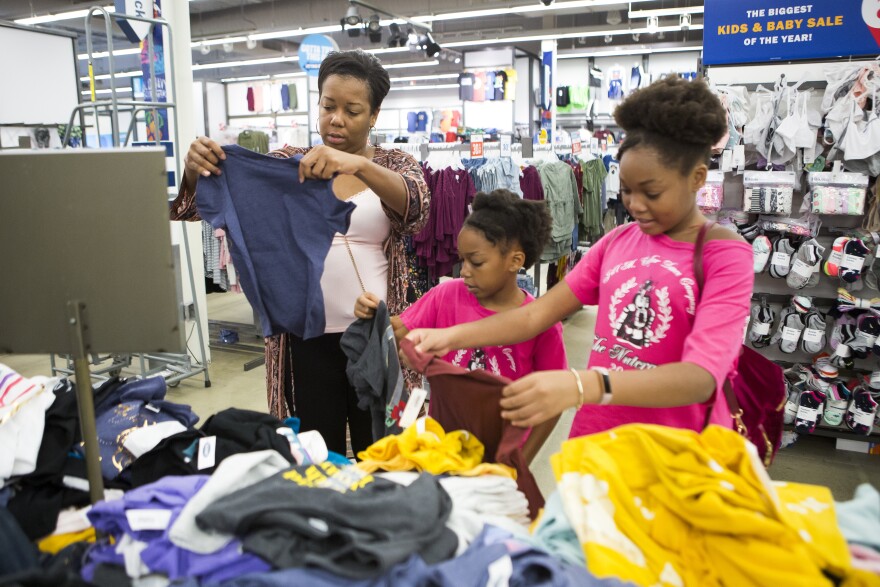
(749, 31)
(312, 51)
(157, 127)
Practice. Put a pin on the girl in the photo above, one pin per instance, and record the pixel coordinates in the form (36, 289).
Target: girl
(662, 349)
(503, 234)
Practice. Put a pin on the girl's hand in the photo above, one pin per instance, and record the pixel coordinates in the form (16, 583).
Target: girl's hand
(538, 397)
(434, 341)
(365, 306)
(324, 162)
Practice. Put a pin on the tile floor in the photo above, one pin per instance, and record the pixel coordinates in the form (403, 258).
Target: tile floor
(810, 460)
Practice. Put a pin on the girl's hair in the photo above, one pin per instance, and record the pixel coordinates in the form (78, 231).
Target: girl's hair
(505, 219)
(678, 119)
(359, 65)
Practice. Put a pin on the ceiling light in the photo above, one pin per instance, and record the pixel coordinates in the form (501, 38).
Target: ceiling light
(613, 17)
(220, 41)
(457, 59)
(243, 79)
(432, 49)
(287, 75)
(411, 64)
(204, 49)
(629, 51)
(251, 43)
(133, 73)
(431, 87)
(608, 38)
(415, 78)
(222, 64)
(353, 17)
(665, 12)
(636, 37)
(537, 7)
(373, 24)
(550, 37)
(58, 17)
(227, 47)
(107, 91)
(684, 22)
(116, 53)
(653, 24)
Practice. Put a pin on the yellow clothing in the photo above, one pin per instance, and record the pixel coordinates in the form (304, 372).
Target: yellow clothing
(56, 542)
(664, 506)
(425, 446)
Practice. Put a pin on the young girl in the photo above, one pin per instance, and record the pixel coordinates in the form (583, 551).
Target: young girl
(503, 234)
(662, 349)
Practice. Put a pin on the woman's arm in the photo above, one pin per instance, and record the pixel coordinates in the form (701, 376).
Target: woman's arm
(544, 395)
(510, 327)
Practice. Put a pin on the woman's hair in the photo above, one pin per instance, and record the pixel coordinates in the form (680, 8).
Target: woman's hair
(504, 219)
(678, 119)
(359, 65)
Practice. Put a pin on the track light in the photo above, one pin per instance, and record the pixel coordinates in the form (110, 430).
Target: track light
(613, 17)
(395, 37)
(636, 37)
(432, 49)
(204, 49)
(353, 17)
(227, 47)
(412, 40)
(251, 43)
(684, 21)
(653, 24)
(608, 38)
(373, 24)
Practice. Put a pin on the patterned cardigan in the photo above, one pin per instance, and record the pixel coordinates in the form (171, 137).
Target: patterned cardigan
(279, 370)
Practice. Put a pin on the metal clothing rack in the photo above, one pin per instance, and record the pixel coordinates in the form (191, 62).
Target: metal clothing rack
(173, 367)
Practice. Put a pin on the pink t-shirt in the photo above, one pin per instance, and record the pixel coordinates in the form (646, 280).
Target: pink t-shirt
(450, 303)
(648, 316)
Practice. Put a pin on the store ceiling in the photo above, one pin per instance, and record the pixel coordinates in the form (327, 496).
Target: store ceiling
(584, 25)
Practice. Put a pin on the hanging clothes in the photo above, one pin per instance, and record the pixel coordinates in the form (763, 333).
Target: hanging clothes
(594, 179)
(561, 195)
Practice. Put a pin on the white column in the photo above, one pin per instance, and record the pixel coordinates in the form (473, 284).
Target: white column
(176, 12)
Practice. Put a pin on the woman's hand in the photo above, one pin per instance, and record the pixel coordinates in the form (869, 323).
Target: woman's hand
(202, 159)
(433, 341)
(365, 306)
(324, 162)
(538, 397)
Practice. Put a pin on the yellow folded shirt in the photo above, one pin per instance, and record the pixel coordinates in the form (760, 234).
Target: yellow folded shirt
(425, 446)
(54, 543)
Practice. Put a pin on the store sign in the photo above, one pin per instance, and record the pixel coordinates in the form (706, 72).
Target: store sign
(313, 50)
(476, 145)
(505, 143)
(575, 147)
(749, 31)
(135, 30)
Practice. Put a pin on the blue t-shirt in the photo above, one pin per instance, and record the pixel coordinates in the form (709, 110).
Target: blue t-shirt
(280, 230)
(411, 123)
(422, 121)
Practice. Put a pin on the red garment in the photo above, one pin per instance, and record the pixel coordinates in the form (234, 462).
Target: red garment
(451, 137)
(469, 400)
(250, 99)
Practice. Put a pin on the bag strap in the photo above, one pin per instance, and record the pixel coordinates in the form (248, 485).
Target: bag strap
(729, 395)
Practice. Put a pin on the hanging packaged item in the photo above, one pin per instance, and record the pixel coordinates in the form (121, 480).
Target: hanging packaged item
(808, 225)
(711, 195)
(768, 192)
(836, 193)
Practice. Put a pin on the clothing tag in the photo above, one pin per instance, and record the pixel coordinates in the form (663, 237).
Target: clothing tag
(148, 519)
(875, 379)
(835, 257)
(866, 338)
(809, 156)
(575, 147)
(816, 267)
(790, 334)
(781, 259)
(207, 452)
(800, 267)
(837, 167)
(153, 408)
(594, 145)
(739, 157)
(853, 262)
(807, 414)
(505, 145)
(413, 406)
(814, 336)
(727, 160)
(476, 145)
(420, 426)
(861, 417)
(842, 350)
(761, 328)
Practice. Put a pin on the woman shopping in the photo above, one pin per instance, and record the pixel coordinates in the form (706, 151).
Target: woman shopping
(307, 378)
(662, 348)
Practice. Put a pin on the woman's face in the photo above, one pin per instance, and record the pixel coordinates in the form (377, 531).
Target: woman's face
(345, 118)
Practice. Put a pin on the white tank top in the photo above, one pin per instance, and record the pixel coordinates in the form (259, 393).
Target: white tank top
(367, 233)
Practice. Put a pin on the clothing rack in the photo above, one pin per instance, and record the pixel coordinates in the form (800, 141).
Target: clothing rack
(172, 366)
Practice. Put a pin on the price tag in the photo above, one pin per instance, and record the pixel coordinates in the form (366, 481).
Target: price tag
(866, 338)
(594, 145)
(739, 157)
(727, 160)
(835, 257)
(575, 147)
(842, 350)
(148, 519)
(875, 380)
(781, 259)
(761, 328)
(413, 407)
(853, 262)
(861, 417)
(476, 145)
(799, 268)
(207, 452)
(505, 145)
(790, 334)
(815, 336)
(807, 414)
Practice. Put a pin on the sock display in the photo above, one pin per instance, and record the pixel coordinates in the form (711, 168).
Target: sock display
(854, 253)
(813, 339)
(832, 265)
(805, 264)
(808, 414)
(780, 259)
(862, 411)
(762, 320)
(866, 333)
(761, 248)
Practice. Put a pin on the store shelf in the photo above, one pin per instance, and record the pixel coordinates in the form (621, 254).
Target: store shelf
(844, 433)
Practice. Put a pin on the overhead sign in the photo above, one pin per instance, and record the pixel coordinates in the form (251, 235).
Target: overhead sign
(135, 30)
(749, 31)
(313, 50)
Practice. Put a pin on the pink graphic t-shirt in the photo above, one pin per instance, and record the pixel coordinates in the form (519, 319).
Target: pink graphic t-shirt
(450, 303)
(649, 316)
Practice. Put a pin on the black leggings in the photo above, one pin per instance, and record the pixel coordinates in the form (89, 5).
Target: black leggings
(323, 398)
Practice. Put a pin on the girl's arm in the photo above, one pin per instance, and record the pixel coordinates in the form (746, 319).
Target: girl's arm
(541, 396)
(510, 327)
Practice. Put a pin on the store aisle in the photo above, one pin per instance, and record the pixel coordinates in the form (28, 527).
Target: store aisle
(810, 460)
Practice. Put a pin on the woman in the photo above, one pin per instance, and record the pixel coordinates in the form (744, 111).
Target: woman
(663, 347)
(392, 199)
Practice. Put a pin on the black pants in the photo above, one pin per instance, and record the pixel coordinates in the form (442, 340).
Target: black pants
(323, 398)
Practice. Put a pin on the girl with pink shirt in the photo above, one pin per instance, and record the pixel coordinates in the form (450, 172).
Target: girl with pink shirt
(662, 348)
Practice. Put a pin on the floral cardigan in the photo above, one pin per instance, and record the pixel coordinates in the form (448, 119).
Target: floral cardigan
(279, 370)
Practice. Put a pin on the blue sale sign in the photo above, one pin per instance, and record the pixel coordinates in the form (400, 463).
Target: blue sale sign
(748, 31)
